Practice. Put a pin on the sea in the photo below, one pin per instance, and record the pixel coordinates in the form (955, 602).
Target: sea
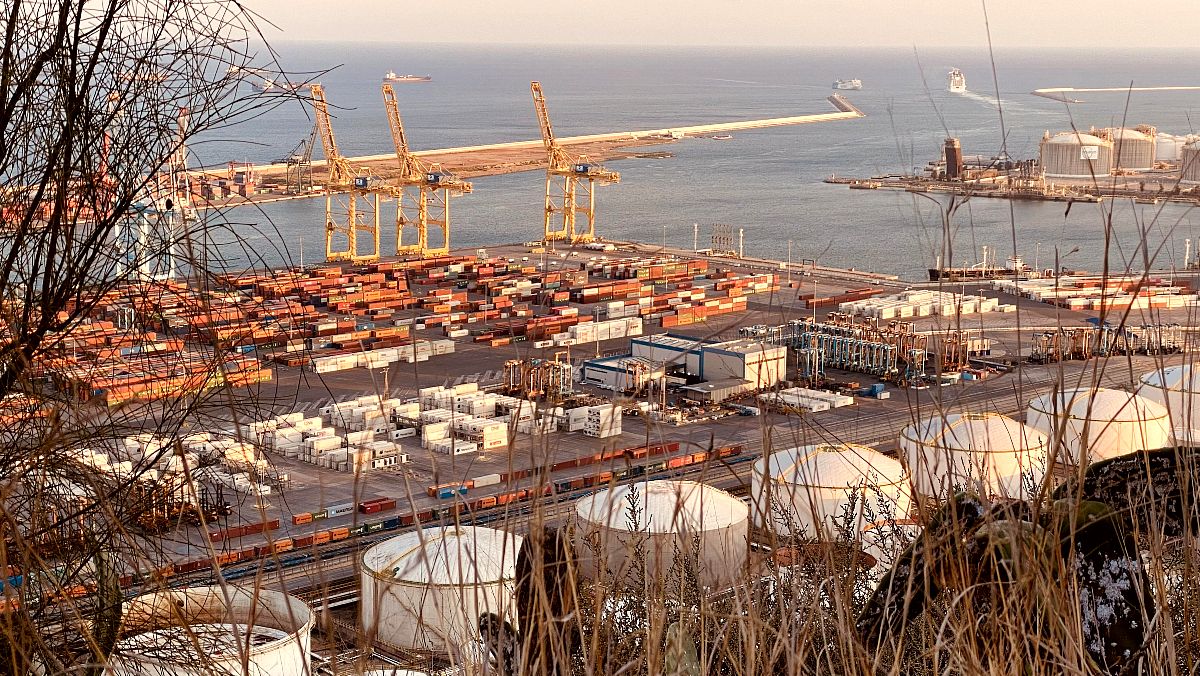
(768, 183)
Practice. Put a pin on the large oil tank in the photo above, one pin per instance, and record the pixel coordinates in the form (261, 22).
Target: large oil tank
(1189, 167)
(663, 518)
(820, 491)
(988, 453)
(213, 630)
(1099, 424)
(1133, 149)
(1177, 388)
(427, 589)
(1072, 154)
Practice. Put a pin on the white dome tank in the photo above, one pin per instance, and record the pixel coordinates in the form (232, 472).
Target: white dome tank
(1099, 424)
(206, 630)
(984, 452)
(669, 515)
(426, 589)
(1133, 149)
(1177, 389)
(1072, 154)
(810, 490)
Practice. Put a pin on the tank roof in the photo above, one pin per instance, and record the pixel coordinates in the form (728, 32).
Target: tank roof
(976, 432)
(1075, 138)
(1100, 404)
(664, 507)
(833, 466)
(446, 556)
(1181, 378)
(1125, 133)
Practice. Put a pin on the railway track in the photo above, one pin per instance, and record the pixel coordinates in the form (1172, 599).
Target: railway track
(327, 574)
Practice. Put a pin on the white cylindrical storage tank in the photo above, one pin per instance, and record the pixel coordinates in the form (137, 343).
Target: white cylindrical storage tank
(663, 517)
(1075, 155)
(1099, 424)
(427, 589)
(213, 630)
(821, 491)
(1177, 389)
(987, 453)
(1168, 147)
(1132, 149)
(1189, 163)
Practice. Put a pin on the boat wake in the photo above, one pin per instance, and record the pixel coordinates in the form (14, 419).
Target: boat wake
(990, 100)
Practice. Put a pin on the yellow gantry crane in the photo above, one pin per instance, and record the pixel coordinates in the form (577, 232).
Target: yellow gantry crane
(351, 196)
(570, 184)
(423, 191)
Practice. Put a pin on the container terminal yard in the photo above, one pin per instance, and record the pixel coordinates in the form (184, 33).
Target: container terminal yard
(402, 411)
(472, 387)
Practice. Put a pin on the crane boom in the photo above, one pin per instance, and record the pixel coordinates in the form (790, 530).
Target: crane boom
(411, 167)
(339, 169)
(393, 112)
(539, 104)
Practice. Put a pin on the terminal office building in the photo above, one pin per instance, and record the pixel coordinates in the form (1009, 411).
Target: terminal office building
(711, 370)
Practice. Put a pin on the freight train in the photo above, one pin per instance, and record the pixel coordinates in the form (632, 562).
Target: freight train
(304, 546)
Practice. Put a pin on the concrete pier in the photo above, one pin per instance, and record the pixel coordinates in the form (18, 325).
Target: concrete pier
(501, 158)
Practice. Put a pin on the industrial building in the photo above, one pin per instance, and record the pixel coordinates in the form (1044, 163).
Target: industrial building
(1071, 154)
(623, 373)
(678, 353)
(717, 391)
(755, 365)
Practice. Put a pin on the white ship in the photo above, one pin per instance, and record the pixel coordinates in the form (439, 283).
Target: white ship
(391, 76)
(957, 82)
(848, 84)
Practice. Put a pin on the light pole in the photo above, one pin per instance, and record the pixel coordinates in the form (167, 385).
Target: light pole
(386, 390)
(695, 237)
(789, 262)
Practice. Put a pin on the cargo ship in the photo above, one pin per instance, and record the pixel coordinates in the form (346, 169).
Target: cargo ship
(391, 76)
(956, 81)
(1014, 266)
(848, 84)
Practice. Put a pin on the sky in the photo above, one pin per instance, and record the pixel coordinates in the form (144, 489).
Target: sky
(796, 23)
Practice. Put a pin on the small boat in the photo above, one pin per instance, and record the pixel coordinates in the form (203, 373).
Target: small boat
(722, 137)
(391, 76)
(956, 81)
(848, 84)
